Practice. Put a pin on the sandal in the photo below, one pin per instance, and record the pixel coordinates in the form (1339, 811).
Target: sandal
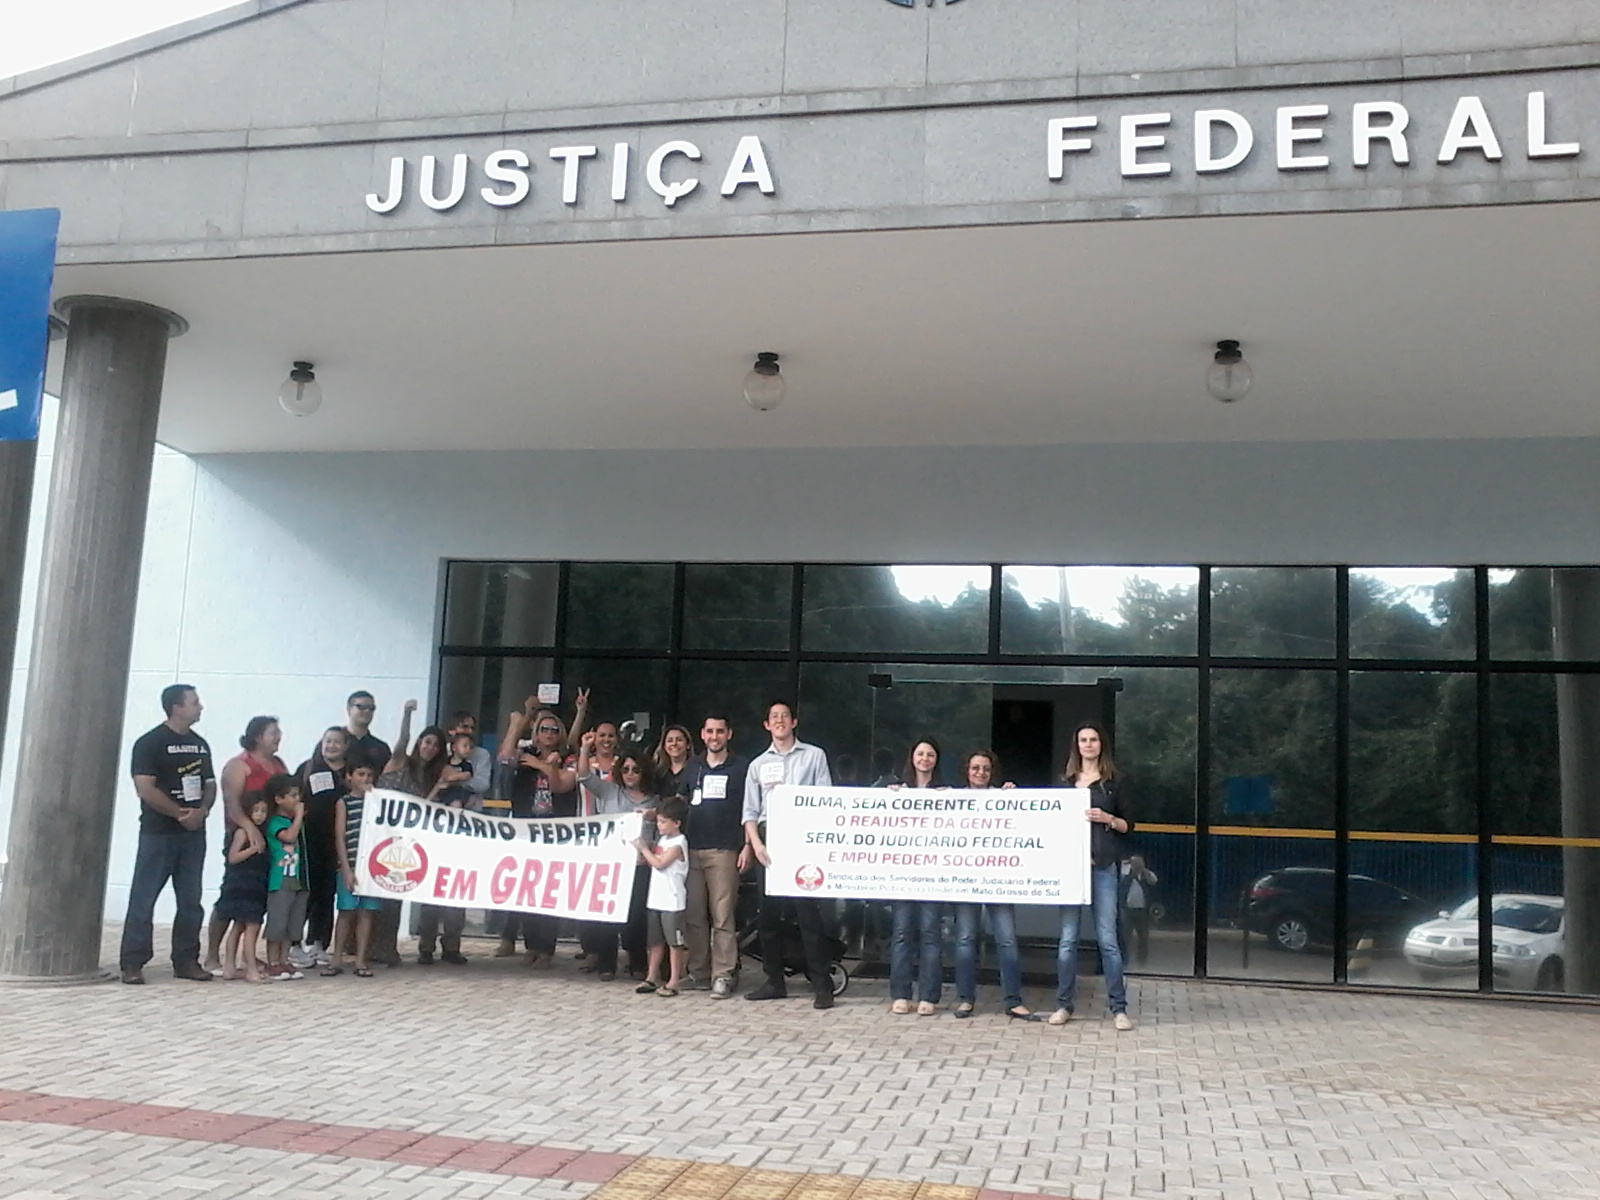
(363, 973)
(900, 1007)
(330, 971)
(926, 1009)
(645, 988)
(1023, 1016)
(963, 1011)
(668, 992)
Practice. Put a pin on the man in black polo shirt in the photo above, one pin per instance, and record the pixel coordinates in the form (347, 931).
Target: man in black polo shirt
(716, 834)
(177, 786)
(364, 747)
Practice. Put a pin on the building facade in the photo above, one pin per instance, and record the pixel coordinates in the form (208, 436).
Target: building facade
(533, 250)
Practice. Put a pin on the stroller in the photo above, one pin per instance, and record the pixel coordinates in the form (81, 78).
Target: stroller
(747, 910)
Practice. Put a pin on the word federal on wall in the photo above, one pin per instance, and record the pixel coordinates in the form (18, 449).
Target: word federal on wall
(1223, 138)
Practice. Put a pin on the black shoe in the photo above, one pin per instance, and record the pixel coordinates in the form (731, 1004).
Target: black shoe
(1023, 1016)
(454, 957)
(133, 975)
(606, 976)
(769, 991)
(192, 971)
(424, 958)
(823, 1000)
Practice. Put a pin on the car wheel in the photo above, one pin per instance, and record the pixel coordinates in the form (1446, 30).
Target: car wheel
(1552, 977)
(1291, 933)
(839, 978)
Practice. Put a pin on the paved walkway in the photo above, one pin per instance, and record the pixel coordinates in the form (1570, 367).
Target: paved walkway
(493, 1079)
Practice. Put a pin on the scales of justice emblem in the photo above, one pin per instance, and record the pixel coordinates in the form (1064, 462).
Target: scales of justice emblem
(398, 864)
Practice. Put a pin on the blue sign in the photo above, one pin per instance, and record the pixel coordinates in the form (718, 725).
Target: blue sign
(1247, 795)
(27, 267)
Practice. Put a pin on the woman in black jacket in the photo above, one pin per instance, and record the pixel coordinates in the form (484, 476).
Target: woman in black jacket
(1110, 817)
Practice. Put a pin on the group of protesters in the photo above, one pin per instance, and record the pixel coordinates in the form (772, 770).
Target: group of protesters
(291, 841)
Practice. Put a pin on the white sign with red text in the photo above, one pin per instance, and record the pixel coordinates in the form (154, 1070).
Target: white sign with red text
(579, 867)
(995, 846)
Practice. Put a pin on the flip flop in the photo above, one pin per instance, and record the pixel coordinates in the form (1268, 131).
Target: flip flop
(668, 992)
(645, 988)
(330, 971)
(363, 973)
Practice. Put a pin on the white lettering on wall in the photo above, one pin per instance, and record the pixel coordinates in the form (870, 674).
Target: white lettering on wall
(507, 166)
(508, 175)
(1469, 129)
(1291, 132)
(1133, 141)
(572, 157)
(749, 165)
(1297, 127)
(620, 154)
(458, 183)
(671, 192)
(1538, 145)
(397, 183)
(1363, 132)
(1058, 145)
(1206, 158)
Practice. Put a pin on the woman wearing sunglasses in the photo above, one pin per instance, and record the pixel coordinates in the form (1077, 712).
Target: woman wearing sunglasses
(631, 788)
(545, 785)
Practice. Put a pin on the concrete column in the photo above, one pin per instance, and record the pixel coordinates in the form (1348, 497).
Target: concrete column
(69, 773)
(1577, 629)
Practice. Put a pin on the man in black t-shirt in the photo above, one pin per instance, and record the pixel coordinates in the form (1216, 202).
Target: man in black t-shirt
(177, 786)
(715, 781)
(364, 747)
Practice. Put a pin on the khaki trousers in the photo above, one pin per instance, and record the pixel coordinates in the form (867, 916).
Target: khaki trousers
(713, 893)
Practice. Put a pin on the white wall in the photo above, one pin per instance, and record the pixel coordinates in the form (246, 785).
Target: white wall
(278, 583)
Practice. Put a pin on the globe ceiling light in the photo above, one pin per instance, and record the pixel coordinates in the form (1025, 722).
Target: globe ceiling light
(764, 386)
(301, 394)
(1228, 377)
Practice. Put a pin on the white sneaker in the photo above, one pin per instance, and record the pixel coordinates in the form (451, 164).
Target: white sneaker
(1123, 1022)
(319, 957)
(302, 958)
(722, 988)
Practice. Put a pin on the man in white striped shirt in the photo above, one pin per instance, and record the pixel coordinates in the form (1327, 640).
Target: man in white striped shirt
(791, 761)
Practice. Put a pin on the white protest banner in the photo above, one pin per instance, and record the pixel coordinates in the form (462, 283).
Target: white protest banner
(580, 867)
(997, 846)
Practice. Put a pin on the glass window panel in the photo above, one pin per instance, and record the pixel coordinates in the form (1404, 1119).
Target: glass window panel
(1098, 610)
(1273, 612)
(1412, 612)
(1413, 829)
(1545, 870)
(1538, 613)
(490, 687)
(907, 610)
(740, 691)
(620, 605)
(737, 606)
(619, 688)
(501, 604)
(1271, 796)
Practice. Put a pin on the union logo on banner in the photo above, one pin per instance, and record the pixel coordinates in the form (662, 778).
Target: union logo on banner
(809, 878)
(398, 864)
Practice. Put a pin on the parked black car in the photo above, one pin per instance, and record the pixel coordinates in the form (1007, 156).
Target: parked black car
(1293, 907)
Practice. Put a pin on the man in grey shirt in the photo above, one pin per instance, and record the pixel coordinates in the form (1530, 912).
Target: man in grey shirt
(790, 761)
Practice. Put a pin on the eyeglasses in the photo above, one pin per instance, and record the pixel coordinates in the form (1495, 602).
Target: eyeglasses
(630, 769)
(549, 729)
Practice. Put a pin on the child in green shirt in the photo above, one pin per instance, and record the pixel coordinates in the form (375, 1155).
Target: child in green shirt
(286, 879)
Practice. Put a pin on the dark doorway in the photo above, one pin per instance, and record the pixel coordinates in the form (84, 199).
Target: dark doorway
(1033, 726)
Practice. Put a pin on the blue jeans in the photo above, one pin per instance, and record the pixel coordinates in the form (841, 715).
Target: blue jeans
(1003, 926)
(922, 921)
(1103, 891)
(181, 858)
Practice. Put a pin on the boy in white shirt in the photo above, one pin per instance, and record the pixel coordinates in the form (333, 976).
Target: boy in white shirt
(668, 897)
